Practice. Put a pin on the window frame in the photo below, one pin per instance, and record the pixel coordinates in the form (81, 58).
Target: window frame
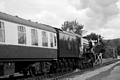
(51, 40)
(44, 39)
(2, 28)
(34, 37)
(22, 31)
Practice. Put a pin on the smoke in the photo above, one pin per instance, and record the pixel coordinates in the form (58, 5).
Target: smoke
(98, 11)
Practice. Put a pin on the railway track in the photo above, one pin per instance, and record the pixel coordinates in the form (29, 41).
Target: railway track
(79, 72)
(38, 77)
(61, 75)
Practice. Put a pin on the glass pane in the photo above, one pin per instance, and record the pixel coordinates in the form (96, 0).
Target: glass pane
(3, 31)
(43, 43)
(44, 33)
(51, 43)
(33, 31)
(21, 38)
(51, 40)
(34, 37)
(24, 38)
(46, 43)
(36, 32)
(55, 41)
(24, 29)
(20, 28)
(2, 35)
(0, 24)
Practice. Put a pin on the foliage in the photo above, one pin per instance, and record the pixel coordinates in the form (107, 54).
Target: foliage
(118, 50)
(104, 46)
(72, 26)
(93, 36)
(108, 52)
(113, 44)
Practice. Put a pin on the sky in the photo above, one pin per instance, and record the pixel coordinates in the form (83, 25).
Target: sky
(98, 16)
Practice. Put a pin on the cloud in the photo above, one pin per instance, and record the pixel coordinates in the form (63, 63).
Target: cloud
(71, 13)
(106, 3)
(103, 16)
(95, 15)
(114, 23)
(108, 33)
(98, 11)
(48, 18)
(50, 12)
(2, 6)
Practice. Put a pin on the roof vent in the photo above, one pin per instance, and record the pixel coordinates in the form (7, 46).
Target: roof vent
(16, 16)
(29, 20)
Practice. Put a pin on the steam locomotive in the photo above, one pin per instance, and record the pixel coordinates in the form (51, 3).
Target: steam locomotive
(32, 48)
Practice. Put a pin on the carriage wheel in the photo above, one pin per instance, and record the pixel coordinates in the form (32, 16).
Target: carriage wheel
(25, 73)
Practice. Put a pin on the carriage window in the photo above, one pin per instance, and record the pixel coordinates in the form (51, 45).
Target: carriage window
(21, 35)
(51, 40)
(2, 32)
(55, 41)
(44, 39)
(34, 36)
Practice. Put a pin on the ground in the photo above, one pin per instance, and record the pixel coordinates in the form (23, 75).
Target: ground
(109, 72)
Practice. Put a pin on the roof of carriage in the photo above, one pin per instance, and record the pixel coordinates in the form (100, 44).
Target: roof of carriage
(68, 33)
(18, 20)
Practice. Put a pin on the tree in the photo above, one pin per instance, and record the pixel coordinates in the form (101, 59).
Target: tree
(118, 50)
(93, 36)
(72, 26)
(101, 44)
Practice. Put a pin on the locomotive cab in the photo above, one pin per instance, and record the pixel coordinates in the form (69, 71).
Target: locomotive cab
(88, 54)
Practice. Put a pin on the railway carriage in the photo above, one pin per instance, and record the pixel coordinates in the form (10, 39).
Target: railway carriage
(23, 43)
